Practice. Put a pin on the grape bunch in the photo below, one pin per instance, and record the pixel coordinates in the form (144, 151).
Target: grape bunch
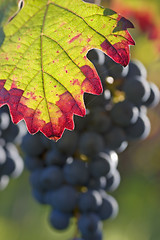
(11, 164)
(71, 183)
(131, 96)
(76, 175)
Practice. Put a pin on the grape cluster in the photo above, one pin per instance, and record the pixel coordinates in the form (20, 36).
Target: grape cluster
(131, 95)
(72, 183)
(11, 164)
(75, 175)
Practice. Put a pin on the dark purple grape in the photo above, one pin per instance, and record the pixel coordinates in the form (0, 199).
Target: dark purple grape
(100, 166)
(154, 97)
(35, 179)
(76, 172)
(136, 89)
(124, 113)
(89, 225)
(55, 157)
(89, 201)
(63, 198)
(139, 130)
(99, 120)
(59, 220)
(13, 153)
(108, 208)
(116, 139)
(32, 163)
(90, 143)
(51, 178)
(8, 167)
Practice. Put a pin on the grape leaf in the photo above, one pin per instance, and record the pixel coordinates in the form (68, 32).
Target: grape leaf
(44, 70)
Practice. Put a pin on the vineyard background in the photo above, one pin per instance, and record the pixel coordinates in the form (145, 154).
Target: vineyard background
(138, 194)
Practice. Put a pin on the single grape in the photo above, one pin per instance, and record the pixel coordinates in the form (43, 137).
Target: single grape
(154, 97)
(63, 198)
(8, 167)
(116, 139)
(108, 208)
(59, 220)
(136, 89)
(100, 166)
(32, 163)
(35, 179)
(89, 224)
(90, 143)
(76, 172)
(99, 120)
(55, 157)
(140, 129)
(89, 201)
(123, 113)
(13, 153)
(51, 177)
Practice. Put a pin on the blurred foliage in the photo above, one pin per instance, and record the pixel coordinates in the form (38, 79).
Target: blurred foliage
(7, 8)
(139, 192)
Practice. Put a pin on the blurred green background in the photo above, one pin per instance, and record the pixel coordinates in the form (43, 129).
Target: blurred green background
(139, 192)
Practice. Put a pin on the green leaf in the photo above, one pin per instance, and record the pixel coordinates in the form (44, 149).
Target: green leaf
(44, 70)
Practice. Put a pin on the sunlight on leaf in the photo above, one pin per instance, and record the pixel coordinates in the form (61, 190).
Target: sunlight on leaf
(44, 70)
